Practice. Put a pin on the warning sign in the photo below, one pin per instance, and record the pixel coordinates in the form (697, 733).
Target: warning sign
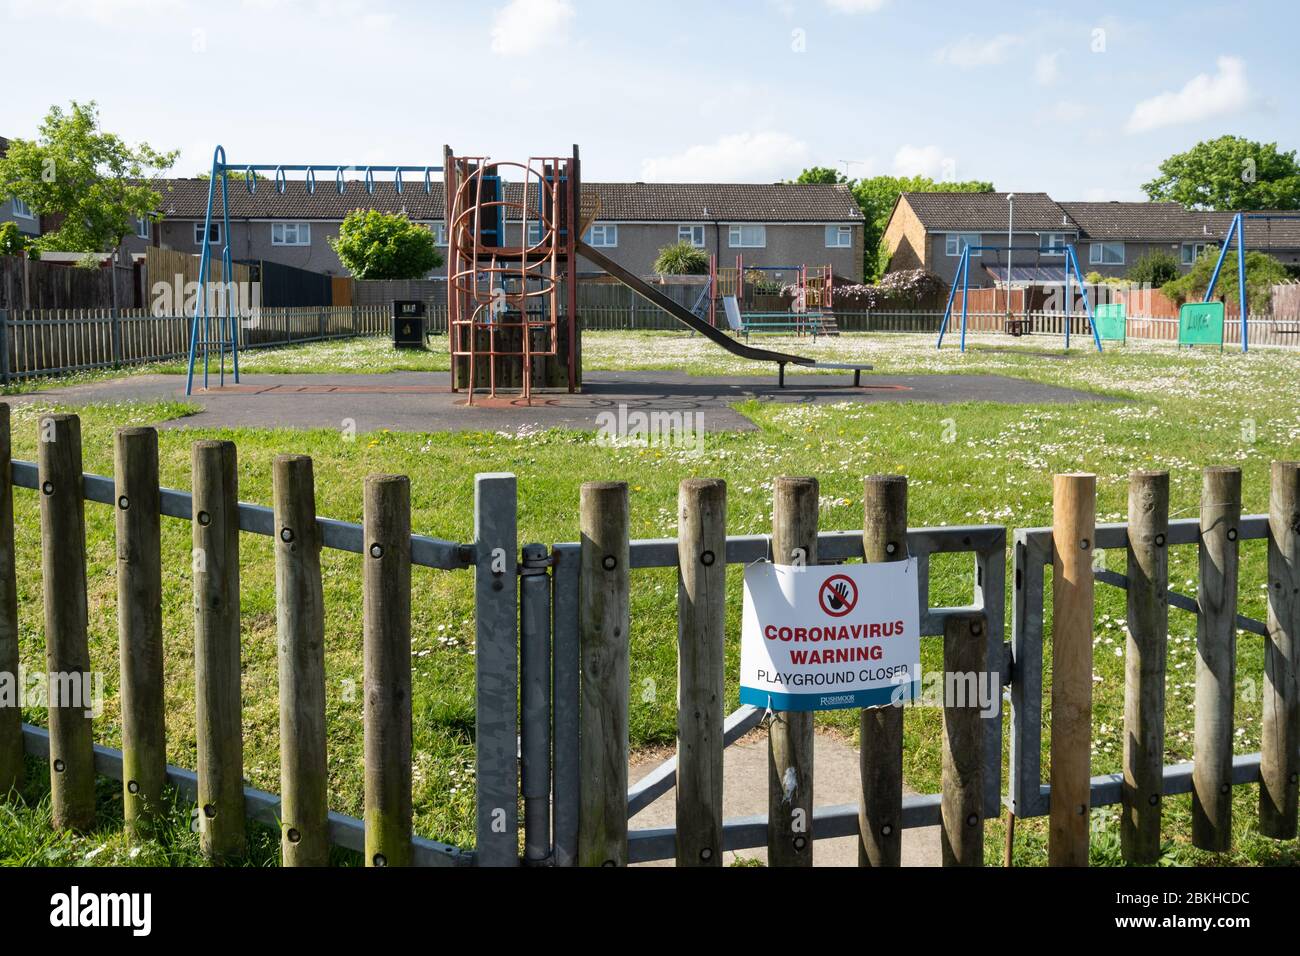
(822, 638)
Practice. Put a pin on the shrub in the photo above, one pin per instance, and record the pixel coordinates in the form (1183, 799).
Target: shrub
(14, 243)
(907, 287)
(1262, 273)
(381, 245)
(682, 259)
(1154, 269)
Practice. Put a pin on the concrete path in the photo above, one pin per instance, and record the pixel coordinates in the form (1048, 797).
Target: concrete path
(744, 793)
(424, 402)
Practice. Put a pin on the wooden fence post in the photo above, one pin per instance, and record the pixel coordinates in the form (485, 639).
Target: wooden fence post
(880, 729)
(965, 666)
(1280, 746)
(300, 626)
(603, 622)
(1074, 517)
(139, 627)
(701, 628)
(1216, 653)
(218, 709)
(790, 733)
(1144, 666)
(67, 658)
(11, 717)
(387, 610)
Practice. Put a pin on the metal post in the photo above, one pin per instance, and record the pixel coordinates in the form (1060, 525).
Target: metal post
(1243, 304)
(4, 346)
(535, 728)
(496, 668)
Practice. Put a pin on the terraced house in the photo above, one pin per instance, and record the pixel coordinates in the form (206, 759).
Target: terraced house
(930, 230)
(769, 224)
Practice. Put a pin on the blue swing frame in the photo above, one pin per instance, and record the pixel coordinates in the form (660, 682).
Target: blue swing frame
(1238, 229)
(963, 272)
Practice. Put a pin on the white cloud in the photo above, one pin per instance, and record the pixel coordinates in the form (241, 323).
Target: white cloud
(765, 156)
(1064, 111)
(1047, 69)
(1202, 97)
(924, 161)
(971, 51)
(99, 11)
(855, 6)
(522, 26)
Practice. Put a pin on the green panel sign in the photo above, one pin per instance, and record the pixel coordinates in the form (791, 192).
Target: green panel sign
(1112, 321)
(1201, 323)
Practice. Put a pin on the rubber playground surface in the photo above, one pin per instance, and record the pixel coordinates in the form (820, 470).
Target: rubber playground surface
(424, 402)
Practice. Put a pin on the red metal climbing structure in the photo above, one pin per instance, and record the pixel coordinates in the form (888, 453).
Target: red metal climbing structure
(512, 273)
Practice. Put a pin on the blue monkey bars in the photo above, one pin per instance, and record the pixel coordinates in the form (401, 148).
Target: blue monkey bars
(963, 273)
(223, 320)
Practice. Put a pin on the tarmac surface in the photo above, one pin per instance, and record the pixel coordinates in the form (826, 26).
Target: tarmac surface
(424, 402)
(836, 780)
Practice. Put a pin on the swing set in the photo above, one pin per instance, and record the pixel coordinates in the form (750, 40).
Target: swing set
(1072, 273)
(1238, 229)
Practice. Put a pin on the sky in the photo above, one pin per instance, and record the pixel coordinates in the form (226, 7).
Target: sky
(1080, 100)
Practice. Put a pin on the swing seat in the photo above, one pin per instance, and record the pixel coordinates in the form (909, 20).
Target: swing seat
(1019, 327)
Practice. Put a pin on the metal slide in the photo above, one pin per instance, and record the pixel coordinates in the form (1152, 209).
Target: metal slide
(684, 316)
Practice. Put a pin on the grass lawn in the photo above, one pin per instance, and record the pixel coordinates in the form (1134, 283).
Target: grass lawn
(1181, 411)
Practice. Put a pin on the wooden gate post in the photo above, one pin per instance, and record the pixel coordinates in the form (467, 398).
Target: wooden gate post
(965, 666)
(67, 657)
(1280, 745)
(300, 627)
(701, 629)
(1074, 511)
(1216, 654)
(1144, 666)
(386, 599)
(880, 729)
(603, 622)
(139, 627)
(790, 733)
(11, 718)
(218, 714)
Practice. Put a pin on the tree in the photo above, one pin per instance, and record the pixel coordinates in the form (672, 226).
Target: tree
(1230, 172)
(1154, 269)
(383, 245)
(822, 175)
(92, 181)
(682, 259)
(14, 243)
(1262, 273)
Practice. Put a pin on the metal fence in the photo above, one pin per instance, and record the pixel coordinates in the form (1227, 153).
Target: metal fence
(41, 342)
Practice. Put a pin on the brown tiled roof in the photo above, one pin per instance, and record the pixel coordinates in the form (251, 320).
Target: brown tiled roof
(1153, 221)
(985, 212)
(665, 202)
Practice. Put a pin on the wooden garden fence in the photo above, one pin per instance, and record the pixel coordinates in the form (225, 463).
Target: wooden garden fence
(552, 628)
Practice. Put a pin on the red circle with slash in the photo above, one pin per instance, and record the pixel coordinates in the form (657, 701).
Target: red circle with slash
(838, 595)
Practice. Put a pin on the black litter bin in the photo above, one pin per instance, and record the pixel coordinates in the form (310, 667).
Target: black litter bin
(408, 323)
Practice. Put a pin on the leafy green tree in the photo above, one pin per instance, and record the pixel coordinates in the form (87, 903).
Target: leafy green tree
(1154, 269)
(823, 175)
(93, 182)
(1262, 273)
(682, 259)
(14, 243)
(1230, 172)
(382, 245)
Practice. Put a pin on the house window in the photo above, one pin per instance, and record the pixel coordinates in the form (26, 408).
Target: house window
(22, 210)
(291, 234)
(747, 237)
(1052, 244)
(839, 237)
(439, 230)
(214, 233)
(1193, 251)
(956, 242)
(534, 232)
(603, 235)
(142, 225)
(1106, 254)
(692, 234)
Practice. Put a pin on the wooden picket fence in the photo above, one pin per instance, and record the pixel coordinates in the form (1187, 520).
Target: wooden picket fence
(552, 629)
